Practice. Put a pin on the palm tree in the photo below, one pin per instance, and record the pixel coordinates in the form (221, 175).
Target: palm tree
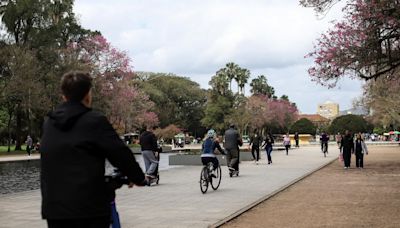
(231, 70)
(242, 78)
(259, 85)
(219, 82)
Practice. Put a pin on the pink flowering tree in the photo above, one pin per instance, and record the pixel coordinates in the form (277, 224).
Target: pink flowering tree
(365, 44)
(281, 114)
(126, 106)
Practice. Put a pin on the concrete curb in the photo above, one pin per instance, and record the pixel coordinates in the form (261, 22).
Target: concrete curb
(261, 200)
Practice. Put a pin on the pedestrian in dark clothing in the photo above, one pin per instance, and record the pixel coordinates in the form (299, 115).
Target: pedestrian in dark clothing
(232, 143)
(255, 143)
(75, 144)
(148, 144)
(360, 149)
(269, 141)
(324, 139)
(296, 139)
(347, 148)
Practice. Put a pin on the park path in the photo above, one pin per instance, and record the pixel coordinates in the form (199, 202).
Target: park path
(334, 197)
(177, 201)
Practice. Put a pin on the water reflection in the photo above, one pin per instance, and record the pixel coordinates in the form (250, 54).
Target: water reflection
(22, 176)
(19, 176)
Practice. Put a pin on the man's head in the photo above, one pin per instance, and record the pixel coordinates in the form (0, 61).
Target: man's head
(76, 86)
(232, 125)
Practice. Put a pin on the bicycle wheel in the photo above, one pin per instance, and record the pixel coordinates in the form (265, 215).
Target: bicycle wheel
(204, 180)
(216, 181)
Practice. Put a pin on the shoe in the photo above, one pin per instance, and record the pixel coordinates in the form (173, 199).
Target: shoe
(213, 175)
(345, 167)
(150, 176)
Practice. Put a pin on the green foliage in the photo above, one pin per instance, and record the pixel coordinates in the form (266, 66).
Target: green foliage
(260, 85)
(379, 130)
(178, 100)
(217, 109)
(303, 126)
(353, 123)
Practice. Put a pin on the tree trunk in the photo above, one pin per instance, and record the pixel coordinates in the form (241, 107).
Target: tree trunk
(9, 131)
(18, 131)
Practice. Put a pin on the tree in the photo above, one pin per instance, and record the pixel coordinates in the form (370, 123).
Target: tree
(320, 6)
(285, 97)
(382, 97)
(231, 70)
(20, 88)
(167, 133)
(126, 106)
(257, 107)
(349, 122)
(34, 32)
(242, 79)
(217, 109)
(239, 114)
(366, 44)
(303, 126)
(281, 114)
(220, 82)
(259, 86)
(178, 100)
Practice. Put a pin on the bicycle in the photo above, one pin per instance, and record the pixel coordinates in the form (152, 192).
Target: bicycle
(207, 178)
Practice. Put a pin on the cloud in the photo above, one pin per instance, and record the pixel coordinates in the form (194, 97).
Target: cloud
(195, 38)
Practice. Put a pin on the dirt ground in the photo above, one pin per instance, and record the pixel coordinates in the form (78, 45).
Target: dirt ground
(334, 197)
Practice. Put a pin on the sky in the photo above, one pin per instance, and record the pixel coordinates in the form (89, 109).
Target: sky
(195, 38)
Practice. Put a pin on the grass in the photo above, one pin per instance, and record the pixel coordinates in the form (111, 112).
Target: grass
(3, 150)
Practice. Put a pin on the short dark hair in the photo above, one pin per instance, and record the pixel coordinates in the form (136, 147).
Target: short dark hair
(75, 85)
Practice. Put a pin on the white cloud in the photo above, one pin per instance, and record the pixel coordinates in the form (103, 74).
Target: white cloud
(195, 38)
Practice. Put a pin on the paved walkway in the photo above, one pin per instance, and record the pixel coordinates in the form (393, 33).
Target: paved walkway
(22, 157)
(177, 201)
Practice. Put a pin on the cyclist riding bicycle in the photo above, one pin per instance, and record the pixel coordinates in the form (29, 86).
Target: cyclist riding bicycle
(324, 142)
(208, 148)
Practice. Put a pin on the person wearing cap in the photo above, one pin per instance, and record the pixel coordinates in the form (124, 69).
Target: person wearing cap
(232, 143)
(207, 149)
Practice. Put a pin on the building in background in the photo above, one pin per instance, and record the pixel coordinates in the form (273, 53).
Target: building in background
(318, 120)
(329, 110)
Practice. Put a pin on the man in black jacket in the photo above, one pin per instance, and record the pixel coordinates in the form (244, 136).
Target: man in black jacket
(148, 144)
(76, 142)
(232, 143)
(347, 148)
(255, 143)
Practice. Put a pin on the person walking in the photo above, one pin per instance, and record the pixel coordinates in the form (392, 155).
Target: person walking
(347, 148)
(255, 143)
(29, 145)
(296, 138)
(148, 145)
(269, 141)
(286, 143)
(232, 143)
(75, 144)
(360, 148)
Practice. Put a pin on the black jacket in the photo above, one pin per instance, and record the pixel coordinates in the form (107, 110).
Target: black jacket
(148, 141)
(232, 139)
(347, 144)
(75, 144)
